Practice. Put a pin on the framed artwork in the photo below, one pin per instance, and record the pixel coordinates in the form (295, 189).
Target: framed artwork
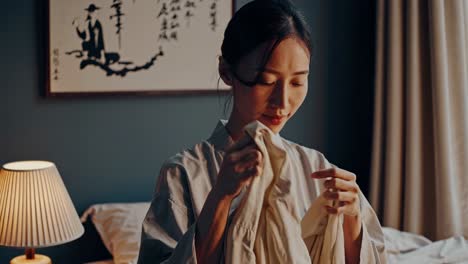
(135, 46)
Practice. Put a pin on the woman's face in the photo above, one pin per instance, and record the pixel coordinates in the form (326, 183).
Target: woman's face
(282, 85)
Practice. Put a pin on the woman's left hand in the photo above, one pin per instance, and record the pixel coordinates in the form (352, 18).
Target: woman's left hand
(341, 187)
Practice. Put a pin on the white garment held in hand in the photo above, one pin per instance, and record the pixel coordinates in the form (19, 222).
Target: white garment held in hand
(266, 227)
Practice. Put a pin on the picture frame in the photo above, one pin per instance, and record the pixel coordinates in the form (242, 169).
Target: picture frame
(135, 47)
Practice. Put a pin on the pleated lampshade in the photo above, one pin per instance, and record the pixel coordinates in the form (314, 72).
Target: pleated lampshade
(35, 208)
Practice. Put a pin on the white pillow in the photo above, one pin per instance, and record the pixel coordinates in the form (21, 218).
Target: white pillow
(119, 225)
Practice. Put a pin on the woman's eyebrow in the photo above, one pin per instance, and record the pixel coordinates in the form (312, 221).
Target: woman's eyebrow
(277, 72)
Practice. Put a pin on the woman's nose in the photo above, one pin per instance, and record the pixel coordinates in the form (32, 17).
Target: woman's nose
(279, 97)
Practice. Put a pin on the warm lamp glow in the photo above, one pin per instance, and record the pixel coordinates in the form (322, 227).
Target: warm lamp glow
(35, 208)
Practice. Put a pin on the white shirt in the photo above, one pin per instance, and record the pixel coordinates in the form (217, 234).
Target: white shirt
(185, 180)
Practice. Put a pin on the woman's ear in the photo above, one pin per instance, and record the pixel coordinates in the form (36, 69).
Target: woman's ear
(225, 71)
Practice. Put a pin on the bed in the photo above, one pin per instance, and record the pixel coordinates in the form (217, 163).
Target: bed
(119, 227)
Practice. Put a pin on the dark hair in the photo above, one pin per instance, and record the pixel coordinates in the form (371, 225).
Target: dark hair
(258, 22)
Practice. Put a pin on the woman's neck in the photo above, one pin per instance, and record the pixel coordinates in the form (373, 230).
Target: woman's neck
(235, 126)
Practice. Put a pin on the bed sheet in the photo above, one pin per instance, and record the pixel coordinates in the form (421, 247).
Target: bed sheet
(409, 248)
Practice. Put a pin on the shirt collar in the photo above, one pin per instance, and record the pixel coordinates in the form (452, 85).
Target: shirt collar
(220, 137)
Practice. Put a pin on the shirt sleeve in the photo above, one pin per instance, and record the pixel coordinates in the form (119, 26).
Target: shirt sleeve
(372, 243)
(168, 231)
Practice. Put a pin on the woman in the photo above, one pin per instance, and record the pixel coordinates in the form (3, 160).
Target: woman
(265, 59)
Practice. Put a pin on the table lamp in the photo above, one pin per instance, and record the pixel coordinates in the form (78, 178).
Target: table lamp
(35, 209)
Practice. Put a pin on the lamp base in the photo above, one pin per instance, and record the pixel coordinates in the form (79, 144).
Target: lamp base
(38, 259)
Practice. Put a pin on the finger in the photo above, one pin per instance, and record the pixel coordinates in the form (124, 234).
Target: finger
(334, 172)
(250, 173)
(241, 143)
(334, 210)
(348, 209)
(330, 209)
(245, 165)
(253, 154)
(238, 147)
(340, 196)
(241, 154)
(340, 184)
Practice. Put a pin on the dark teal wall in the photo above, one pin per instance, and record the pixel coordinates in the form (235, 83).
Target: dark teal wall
(109, 149)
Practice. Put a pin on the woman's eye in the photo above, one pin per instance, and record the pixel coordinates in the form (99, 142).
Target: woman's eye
(262, 82)
(297, 84)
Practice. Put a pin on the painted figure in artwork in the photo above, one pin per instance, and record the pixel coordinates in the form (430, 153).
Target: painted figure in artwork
(92, 35)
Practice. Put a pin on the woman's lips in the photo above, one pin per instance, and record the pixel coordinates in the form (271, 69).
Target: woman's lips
(274, 120)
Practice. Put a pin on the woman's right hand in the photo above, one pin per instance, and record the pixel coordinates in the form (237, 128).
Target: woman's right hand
(242, 162)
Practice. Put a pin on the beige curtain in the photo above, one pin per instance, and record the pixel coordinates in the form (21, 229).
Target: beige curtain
(419, 177)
